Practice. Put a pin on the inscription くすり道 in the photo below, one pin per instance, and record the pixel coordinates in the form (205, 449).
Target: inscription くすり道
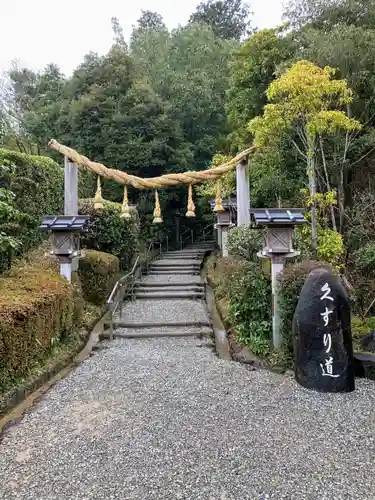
(322, 335)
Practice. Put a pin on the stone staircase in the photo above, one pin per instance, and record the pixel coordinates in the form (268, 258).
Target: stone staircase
(169, 300)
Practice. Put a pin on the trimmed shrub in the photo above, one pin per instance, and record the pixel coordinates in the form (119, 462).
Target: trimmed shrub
(38, 185)
(109, 233)
(250, 307)
(243, 291)
(36, 312)
(221, 271)
(98, 272)
(245, 242)
(291, 281)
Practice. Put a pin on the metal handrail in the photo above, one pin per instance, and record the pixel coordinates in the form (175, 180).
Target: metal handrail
(211, 230)
(116, 298)
(184, 240)
(121, 280)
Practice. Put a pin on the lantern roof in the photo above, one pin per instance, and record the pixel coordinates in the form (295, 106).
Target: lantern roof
(278, 216)
(227, 203)
(64, 222)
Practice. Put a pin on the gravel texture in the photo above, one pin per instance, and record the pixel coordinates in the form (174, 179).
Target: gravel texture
(166, 419)
(165, 311)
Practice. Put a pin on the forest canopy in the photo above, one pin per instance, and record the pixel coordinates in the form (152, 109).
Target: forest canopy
(173, 100)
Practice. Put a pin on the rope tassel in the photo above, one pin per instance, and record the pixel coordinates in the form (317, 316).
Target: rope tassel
(98, 200)
(125, 211)
(157, 210)
(218, 200)
(190, 207)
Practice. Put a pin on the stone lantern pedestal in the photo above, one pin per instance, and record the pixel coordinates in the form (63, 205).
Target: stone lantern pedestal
(279, 224)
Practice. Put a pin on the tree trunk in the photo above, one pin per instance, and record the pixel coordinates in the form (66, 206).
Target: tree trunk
(341, 198)
(333, 218)
(312, 187)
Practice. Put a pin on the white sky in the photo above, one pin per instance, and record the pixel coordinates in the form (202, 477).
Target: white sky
(37, 32)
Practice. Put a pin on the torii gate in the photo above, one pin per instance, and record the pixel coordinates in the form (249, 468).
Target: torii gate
(72, 159)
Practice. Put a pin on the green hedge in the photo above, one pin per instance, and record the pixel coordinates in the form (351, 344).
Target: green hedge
(110, 233)
(250, 306)
(38, 185)
(98, 272)
(243, 289)
(36, 311)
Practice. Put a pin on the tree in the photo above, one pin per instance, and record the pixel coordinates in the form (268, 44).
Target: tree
(341, 34)
(229, 19)
(149, 45)
(305, 103)
(226, 184)
(150, 21)
(252, 68)
(118, 34)
(330, 13)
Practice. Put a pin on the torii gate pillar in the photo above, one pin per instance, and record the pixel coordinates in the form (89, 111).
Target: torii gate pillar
(243, 193)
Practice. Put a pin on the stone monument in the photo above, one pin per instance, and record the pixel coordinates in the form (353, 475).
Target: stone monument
(322, 335)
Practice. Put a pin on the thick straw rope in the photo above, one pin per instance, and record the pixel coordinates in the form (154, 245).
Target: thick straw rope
(152, 182)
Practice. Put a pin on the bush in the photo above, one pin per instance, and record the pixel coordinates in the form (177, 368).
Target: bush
(250, 307)
(38, 185)
(221, 271)
(109, 233)
(362, 273)
(364, 258)
(245, 242)
(330, 244)
(98, 272)
(291, 281)
(36, 312)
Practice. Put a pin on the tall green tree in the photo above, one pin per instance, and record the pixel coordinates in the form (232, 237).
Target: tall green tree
(228, 19)
(306, 104)
(252, 68)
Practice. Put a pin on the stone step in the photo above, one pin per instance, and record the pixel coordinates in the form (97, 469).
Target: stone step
(186, 252)
(203, 323)
(173, 263)
(164, 284)
(129, 333)
(178, 265)
(169, 295)
(174, 272)
(199, 247)
(183, 258)
(171, 288)
(175, 268)
(189, 255)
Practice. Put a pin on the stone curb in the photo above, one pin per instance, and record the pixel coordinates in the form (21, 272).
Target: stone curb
(221, 340)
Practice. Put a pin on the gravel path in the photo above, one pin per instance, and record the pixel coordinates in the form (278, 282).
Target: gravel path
(166, 419)
(166, 311)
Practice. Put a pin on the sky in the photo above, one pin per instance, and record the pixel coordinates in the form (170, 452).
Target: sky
(36, 32)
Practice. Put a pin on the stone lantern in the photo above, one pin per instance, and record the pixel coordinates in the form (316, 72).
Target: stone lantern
(65, 238)
(279, 225)
(225, 220)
